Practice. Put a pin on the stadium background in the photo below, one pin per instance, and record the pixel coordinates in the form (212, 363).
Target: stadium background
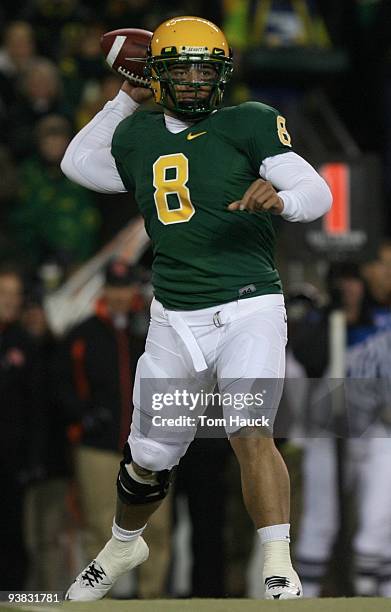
(326, 67)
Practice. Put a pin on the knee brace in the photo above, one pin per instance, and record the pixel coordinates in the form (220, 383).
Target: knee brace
(132, 492)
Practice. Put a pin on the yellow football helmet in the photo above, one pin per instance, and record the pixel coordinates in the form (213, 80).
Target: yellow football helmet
(189, 63)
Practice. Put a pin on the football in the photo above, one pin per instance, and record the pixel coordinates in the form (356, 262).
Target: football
(125, 52)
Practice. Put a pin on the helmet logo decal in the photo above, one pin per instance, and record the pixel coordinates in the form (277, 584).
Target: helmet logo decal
(193, 49)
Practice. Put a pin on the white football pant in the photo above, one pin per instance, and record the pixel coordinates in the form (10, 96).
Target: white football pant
(239, 345)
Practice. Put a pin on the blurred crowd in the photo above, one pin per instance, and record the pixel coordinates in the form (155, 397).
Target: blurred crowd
(65, 400)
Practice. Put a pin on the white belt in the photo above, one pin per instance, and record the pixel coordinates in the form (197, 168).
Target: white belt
(186, 335)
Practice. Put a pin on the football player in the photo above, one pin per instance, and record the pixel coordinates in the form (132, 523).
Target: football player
(206, 181)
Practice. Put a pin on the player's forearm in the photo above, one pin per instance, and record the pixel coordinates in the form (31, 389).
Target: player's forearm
(88, 160)
(305, 194)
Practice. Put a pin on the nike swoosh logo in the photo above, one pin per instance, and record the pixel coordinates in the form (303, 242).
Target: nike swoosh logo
(191, 136)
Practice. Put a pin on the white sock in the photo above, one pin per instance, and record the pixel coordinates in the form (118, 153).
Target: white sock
(123, 535)
(277, 559)
(274, 533)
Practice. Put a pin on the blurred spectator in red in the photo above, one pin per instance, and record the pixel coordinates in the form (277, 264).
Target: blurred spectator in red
(53, 218)
(40, 94)
(21, 427)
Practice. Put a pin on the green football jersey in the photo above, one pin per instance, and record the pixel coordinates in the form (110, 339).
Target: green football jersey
(204, 254)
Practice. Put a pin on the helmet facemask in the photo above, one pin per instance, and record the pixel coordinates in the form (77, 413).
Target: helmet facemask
(190, 85)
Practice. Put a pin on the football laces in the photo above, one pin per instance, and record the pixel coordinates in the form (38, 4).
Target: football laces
(134, 77)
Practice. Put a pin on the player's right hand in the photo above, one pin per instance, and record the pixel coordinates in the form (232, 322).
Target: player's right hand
(260, 196)
(138, 94)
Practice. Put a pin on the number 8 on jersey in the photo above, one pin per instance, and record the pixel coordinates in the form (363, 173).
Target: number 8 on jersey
(175, 186)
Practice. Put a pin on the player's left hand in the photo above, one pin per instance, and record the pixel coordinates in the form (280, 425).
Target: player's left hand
(260, 196)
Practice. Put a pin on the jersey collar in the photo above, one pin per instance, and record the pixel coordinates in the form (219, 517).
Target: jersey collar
(175, 125)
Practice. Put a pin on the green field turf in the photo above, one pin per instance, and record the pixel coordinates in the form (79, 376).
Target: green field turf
(356, 604)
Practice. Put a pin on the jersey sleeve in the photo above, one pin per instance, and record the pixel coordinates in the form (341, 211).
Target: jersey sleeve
(267, 134)
(87, 160)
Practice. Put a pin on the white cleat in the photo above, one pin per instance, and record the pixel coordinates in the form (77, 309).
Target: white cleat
(281, 587)
(94, 582)
(91, 584)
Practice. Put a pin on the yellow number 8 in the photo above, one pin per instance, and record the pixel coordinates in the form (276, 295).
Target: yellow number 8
(283, 133)
(164, 186)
